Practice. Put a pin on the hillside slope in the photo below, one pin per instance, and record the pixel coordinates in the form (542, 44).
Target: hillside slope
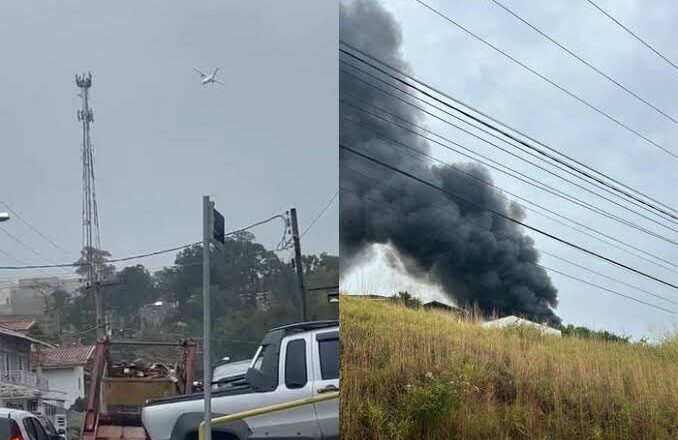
(411, 374)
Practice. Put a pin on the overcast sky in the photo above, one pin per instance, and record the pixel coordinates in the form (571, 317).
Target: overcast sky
(444, 56)
(264, 142)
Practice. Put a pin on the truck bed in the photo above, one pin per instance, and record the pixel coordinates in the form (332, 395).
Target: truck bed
(229, 387)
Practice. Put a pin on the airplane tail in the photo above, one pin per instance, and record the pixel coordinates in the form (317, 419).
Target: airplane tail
(215, 72)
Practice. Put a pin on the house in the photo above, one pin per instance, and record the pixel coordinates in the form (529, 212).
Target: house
(371, 297)
(514, 321)
(26, 326)
(443, 307)
(20, 387)
(67, 368)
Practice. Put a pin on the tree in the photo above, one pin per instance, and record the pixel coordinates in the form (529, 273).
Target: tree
(133, 287)
(99, 258)
(406, 299)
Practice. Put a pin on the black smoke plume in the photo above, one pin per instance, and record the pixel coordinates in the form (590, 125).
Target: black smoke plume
(477, 257)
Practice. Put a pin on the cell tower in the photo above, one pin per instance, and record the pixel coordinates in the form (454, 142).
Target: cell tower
(90, 216)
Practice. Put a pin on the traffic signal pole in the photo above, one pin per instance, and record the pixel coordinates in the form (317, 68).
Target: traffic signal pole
(207, 224)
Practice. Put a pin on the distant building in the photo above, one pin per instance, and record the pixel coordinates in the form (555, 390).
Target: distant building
(25, 326)
(443, 307)
(28, 296)
(513, 321)
(372, 297)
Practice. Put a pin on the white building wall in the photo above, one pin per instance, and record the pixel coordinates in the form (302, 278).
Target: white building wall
(69, 380)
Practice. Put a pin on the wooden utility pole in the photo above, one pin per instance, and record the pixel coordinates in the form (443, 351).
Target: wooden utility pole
(297, 261)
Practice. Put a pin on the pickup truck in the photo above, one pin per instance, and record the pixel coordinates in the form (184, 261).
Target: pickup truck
(293, 362)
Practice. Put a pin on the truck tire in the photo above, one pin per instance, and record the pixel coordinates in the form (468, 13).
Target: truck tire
(215, 436)
(187, 424)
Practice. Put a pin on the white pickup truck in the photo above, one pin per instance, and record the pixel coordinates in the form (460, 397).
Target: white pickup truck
(293, 362)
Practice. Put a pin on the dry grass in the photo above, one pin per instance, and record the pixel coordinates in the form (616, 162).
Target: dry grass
(410, 374)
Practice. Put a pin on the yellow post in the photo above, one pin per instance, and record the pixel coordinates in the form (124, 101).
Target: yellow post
(265, 410)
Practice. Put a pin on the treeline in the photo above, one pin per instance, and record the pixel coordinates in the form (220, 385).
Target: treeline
(252, 290)
(408, 300)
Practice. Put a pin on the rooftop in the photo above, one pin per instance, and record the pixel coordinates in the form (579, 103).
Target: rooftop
(68, 355)
(19, 325)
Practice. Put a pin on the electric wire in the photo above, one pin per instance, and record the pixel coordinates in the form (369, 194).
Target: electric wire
(34, 229)
(508, 218)
(20, 242)
(533, 155)
(633, 34)
(550, 81)
(533, 182)
(583, 61)
(506, 130)
(536, 207)
(362, 196)
(320, 214)
(144, 255)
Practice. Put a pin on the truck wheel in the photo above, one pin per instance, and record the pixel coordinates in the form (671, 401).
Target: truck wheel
(215, 436)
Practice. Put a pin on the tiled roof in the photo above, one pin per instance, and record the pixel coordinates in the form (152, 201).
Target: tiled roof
(19, 325)
(66, 355)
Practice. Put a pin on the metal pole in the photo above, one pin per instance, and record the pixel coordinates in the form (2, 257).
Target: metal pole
(207, 368)
(297, 261)
(99, 308)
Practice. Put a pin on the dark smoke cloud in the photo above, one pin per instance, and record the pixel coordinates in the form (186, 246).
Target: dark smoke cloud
(477, 257)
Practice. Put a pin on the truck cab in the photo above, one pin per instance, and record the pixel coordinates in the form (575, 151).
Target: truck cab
(292, 362)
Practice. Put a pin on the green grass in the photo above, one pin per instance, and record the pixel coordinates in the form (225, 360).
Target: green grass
(412, 374)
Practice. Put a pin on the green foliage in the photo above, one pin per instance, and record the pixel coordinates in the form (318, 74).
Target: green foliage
(405, 298)
(252, 290)
(587, 333)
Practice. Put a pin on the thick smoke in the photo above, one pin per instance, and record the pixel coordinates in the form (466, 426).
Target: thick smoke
(477, 257)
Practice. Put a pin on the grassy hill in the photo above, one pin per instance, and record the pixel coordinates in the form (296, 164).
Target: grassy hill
(411, 374)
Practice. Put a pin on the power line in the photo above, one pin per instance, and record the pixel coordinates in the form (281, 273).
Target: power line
(50, 241)
(583, 61)
(509, 218)
(553, 270)
(145, 255)
(320, 214)
(553, 83)
(634, 35)
(614, 292)
(529, 180)
(587, 171)
(558, 166)
(608, 277)
(536, 207)
(17, 240)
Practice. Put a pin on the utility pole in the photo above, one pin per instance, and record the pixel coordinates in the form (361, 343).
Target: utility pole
(212, 232)
(297, 261)
(90, 215)
(207, 224)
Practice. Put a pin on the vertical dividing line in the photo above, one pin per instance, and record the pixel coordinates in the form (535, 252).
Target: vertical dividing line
(207, 373)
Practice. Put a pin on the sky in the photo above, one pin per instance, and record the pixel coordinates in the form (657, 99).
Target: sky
(444, 56)
(260, 144)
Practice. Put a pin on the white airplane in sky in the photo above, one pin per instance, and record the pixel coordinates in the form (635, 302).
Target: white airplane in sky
(206, 79)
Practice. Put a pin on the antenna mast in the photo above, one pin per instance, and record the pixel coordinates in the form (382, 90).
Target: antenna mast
(90, 215)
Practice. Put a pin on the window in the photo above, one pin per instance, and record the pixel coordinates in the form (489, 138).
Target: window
(39, 430)
(30, 429)
(329, 357)
(295, 364)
